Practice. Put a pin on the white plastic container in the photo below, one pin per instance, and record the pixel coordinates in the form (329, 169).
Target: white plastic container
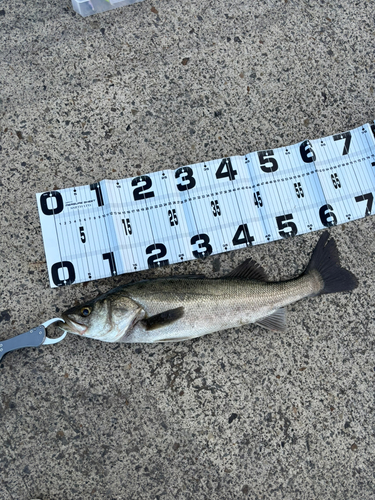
(88, 7)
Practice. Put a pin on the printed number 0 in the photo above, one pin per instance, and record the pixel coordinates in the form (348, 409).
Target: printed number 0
(54, 197)
(64, 265)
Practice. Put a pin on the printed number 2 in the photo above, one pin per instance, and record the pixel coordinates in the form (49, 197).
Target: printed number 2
(141, 193)
(285, 222)
(153, 261)
(173, 219)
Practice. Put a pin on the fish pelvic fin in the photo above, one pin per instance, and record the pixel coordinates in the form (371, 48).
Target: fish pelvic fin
(163, 319)
(275, 322)
(248, 270)
(325, 260)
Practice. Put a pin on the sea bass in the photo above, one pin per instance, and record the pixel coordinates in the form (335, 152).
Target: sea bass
(181, 308)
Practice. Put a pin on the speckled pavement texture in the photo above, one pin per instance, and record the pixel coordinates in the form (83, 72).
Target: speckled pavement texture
(244, 413)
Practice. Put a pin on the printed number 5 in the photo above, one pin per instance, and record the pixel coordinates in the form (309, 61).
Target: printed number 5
(82, 234)
(266, 158)
(284, 222)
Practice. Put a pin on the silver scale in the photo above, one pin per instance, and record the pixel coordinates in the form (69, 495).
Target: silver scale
(122, 226)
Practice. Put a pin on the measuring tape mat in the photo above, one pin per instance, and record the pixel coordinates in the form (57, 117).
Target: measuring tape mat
(121, 226)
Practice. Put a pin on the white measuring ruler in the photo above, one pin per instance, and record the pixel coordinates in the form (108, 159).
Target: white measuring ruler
(121, 226)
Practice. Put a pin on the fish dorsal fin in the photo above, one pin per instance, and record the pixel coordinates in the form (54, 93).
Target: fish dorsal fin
(248, 270)
(275, 322)
(163, 319)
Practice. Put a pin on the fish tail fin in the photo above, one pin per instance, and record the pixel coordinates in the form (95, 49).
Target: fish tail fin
(325, 259)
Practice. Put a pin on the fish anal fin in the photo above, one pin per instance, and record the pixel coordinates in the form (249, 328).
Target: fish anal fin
(248, 270)
(275, 322)
(163, 319)
(174, 339)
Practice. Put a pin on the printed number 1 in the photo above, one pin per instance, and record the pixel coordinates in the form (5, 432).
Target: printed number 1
(112, 264)
(127, 226)
(98, 191)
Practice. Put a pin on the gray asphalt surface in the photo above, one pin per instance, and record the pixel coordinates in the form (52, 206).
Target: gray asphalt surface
(244, 413)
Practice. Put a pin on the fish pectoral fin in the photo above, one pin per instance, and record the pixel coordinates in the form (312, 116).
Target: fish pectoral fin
(275, 322)
(163, 319)
(248, 270)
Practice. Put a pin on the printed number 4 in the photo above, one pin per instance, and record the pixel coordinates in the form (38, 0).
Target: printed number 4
(258, 199)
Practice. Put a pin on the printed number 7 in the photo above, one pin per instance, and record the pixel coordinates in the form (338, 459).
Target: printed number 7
(366, 197)
(348, 137)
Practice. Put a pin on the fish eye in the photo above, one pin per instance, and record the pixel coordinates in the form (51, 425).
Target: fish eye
(86, 311)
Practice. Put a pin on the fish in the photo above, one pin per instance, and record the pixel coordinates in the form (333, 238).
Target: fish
(185, 307)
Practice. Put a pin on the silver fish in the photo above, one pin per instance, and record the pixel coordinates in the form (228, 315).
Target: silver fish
(181, 308)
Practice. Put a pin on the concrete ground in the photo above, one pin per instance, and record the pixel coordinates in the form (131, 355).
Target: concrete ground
(244, 413)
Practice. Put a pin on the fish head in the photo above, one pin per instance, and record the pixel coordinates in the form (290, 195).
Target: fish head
(107, 318)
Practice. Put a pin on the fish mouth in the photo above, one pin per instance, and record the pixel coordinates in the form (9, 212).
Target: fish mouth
(71, 326)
